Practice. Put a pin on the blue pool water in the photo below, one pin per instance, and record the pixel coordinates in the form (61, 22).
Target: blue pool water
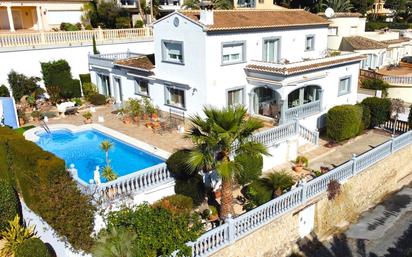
(83, 150)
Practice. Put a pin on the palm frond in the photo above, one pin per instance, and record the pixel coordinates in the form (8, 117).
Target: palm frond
(252, 148)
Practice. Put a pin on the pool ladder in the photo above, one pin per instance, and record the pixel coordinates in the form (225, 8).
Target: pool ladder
(45, 127)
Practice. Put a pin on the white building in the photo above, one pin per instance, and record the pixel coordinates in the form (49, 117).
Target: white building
(275, 63)
(39, 15)
(382, 48)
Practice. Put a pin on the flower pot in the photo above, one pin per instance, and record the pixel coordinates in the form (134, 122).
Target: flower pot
(145, 117)
(218, 194)
(127, 120)
(298, 168)
(155, 117)
(21, 121)
(136, 119)
(88, 121)
(213, 217)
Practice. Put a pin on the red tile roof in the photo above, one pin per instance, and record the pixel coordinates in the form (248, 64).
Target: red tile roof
(363, 43)
(258, 19)
(142, 62)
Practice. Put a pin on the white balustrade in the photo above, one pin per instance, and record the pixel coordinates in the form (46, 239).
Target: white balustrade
(213, 240)
(71, 37)
(303, 111)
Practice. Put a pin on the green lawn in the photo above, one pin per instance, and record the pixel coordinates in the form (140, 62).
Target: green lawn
(23, 129)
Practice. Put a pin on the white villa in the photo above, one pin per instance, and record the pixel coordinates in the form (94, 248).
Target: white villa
(382, 48)
(276, 63)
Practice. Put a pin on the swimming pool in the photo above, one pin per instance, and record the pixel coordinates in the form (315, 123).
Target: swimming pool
(83, 150)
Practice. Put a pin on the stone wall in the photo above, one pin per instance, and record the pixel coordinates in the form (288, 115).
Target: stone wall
(358, 194)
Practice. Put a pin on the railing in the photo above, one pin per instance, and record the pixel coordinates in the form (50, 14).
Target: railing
(400, 126)
(237, 228)
(72, 37)
(400, 80)
(309, 135)
(135, 182)
(303, 111)
(277, 134)
(106, 60)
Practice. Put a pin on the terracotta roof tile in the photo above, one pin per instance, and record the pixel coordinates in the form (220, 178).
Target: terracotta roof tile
(253, 19)
(342, 14)
(142, 62)
(396, 41)
(363, 43)
(303, 67)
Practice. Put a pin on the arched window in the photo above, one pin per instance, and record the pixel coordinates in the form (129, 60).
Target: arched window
(303, 95)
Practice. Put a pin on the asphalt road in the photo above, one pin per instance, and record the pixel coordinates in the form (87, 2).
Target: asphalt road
(384, 231)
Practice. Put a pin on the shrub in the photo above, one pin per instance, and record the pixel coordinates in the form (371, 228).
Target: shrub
(47, 188)
(85, 78)
(9, 204)
(159, 232)
(376, 84)
(302, 161)
(343, 122)
(87, 115)
(14, 235)
(178, 167)
(89, 89)
(32, 247)
(257, 193)
(22, 85)
(69, 27)
(192, 187)
(123, 22)
(252, 168)
(97, 99)
(334, 189)
(4, 91)
(58, 73)
(366, 117)
(35, 114)
(176, 204)
(278, 182)
(380, 109)
(78, 101)
(139, 24)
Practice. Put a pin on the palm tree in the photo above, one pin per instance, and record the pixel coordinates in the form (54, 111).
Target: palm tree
(222, 133)
(108, 173)
(115, 242)
(278, 182)
(106, 145)
(339, 5)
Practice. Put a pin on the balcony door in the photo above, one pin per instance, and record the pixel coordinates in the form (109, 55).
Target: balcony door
(271, 50)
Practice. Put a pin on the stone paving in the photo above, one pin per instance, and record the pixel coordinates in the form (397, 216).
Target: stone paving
(168, 141)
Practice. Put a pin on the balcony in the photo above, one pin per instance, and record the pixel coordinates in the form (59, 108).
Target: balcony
(170, 5)
(127, 3)
(107, 60)
(245, 4)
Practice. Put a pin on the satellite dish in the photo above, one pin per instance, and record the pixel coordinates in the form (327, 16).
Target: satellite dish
(329, 12)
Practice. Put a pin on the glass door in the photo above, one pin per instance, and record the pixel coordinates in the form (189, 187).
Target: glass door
(271, 50)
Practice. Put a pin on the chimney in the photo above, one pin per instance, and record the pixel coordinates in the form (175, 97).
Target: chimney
(206, 12)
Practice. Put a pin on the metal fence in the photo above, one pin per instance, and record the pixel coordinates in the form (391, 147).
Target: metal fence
(236, 228)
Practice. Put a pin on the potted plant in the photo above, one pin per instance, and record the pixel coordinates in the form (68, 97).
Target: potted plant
(88, 117)
(35, 115)
(149, 108)
(213, 214)
(300, 163)
(136, 108)
(127, 120)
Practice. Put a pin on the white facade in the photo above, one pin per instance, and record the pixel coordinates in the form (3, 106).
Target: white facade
(205, 76)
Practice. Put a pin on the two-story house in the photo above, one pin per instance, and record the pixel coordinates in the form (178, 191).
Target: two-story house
(275, 63)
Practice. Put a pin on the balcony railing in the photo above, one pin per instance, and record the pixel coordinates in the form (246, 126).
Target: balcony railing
(246, 4)
(107, 60)
(303, 111)
(72, 37)
(391, 79)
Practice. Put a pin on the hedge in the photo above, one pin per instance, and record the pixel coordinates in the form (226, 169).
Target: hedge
(257, 194)
(32, 247)
(380, 109)
(192, 187)
(343, 122)
(85, 78)
(9, 204)
(177, 165)
(58, 73)
(47, 188)
(252, 168)
(97, 99)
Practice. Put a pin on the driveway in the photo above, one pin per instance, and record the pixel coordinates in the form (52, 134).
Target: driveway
(384, 231)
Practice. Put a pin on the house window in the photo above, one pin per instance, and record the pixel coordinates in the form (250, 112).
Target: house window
(233, 52)
(333, 31)
(172, 51)
(271, 50)
(141, 87)
(235, 97)
(310, 43)
(344, 86)
(175, 97)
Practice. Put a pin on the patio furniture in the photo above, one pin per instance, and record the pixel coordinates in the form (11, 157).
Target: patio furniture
(67, 108)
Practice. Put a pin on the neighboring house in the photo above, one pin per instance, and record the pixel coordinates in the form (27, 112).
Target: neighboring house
(257, 4)
(382, 48)
(275, 63)
(39, 15)
(378, 9)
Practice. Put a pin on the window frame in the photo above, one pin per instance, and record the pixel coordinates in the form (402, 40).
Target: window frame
(264, 53)
(243, 54)
(165, 58)
(336, 29)
(137, 84)
(243, 98)
(312, 47)
(167, 96)
(349, 86)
